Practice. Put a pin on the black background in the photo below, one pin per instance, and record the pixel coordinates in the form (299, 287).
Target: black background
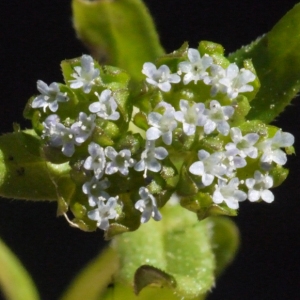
(35, 36)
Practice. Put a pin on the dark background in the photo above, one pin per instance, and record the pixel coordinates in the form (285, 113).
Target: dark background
(35, 36)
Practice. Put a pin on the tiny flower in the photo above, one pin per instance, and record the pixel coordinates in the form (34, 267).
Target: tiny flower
(106, 107)
(208, 166)
(147, 206)
(94, 189)
(243, 144)
(162, 126)
(85, 75)
(195, 68)
(230, 81)
(160, 77)
(104, 212)
(96, 161)
(49, 124)
(228, 193)
(190, 116)
(232, 161)
(150, 157)
(50, 96)
(271, 148)
(120, 162)
(259, 187)
(217, 73)
(217, 117)
(59, 135)
(84, 127)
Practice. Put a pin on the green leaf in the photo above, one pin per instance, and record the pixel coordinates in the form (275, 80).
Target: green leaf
(120, 33)
(178, 246)
(15, 282)
(93, 280)
(276, 59)
(224, 241)
(24, 173)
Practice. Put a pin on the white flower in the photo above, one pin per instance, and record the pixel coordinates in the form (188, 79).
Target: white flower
(195, 68)
(96, 161)
(85, 75)
(84, 127)
(160, 77)
(243, 144)
(271, 148)
(162, 125)
(208, 166)
(94, 189)
(190, 116)
(259, 187)
(232, 161)
(217, 73)
(104, 212)
(119, 161)
(228, 193)
(147, 206)
(50, 96)
(230, 81)
(149, 158)
(49, 124)
(59, 135)
(106, 107)
(217, 117)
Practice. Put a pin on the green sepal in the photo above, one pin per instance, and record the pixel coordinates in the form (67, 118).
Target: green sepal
(114, 78)
(211, 144)
(104, 133)
(129, 220)
(203, 206)
(28, 110)
(248, 65)
(241, 110)
(119, 33)
(277, 66)
(186, 185)
(140, 120)
(290, 150)
(174, 58)
(182, 142)
(130, 141)
(214, 50)
(124, 106)
(279, 175)
(254, 126)
(115, 229)
(65, 189)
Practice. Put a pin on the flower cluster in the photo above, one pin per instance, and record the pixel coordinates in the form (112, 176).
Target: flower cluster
(185, 133)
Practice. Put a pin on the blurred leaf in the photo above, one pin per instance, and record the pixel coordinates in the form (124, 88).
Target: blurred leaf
(276, 58)
(15, 282)
(93, 280)
(224, 240)
(119, 33)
